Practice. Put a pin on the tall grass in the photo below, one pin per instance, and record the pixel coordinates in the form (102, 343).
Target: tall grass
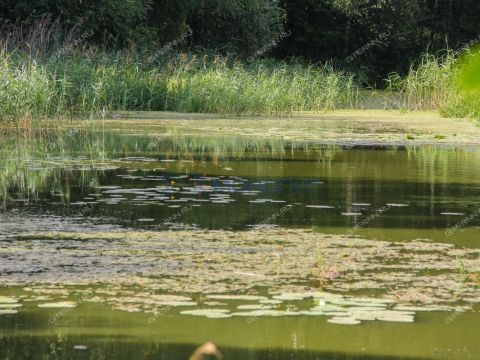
(90, 83)
(432, 84)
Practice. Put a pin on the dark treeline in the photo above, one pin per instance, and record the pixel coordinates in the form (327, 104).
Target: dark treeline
(392, 33)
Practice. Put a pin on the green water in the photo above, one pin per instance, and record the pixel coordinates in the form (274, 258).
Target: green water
(113, 181)
(110, 334)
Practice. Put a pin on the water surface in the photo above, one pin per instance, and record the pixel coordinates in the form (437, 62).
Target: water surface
(104, 181)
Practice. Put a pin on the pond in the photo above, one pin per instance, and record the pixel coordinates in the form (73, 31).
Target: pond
(147, 242)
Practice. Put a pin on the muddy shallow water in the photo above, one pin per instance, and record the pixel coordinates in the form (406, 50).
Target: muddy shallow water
(127, 244)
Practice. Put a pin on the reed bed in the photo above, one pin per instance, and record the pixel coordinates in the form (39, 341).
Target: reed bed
(46, 72)
(432, 84)
(90, 84)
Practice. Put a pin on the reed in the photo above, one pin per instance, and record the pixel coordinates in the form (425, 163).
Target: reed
(90, 84)
(433, 84)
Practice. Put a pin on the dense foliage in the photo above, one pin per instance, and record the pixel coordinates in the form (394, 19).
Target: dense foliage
(392, 33)
(241, 27)
(111, 21)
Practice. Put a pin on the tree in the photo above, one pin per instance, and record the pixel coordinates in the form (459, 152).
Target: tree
(168, 18)
(115, 22)
(333, 30)
(450, 24)
(238, 26)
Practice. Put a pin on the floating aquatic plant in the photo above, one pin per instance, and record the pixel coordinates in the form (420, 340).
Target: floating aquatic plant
(8, 300)
(8, 312)
(60, 305)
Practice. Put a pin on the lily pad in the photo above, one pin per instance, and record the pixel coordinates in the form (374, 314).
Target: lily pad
(210, 313)
(370, 301)
(253, 307)
(344, 321)
(178, 303)
(422, 308)
(80, 347)
(8, 312)
(395, 316)
(312, 313)
(218, 316)
(266, 312)
(59, 305)
(7, 300)
(10, 306)
(271, 302)
(319, 207)
(237, 297)
(327, 308)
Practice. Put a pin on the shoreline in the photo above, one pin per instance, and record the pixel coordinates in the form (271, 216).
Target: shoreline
(351, 128)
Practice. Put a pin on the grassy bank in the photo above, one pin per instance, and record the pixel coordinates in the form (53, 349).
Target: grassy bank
(432, 84)
(89, 84)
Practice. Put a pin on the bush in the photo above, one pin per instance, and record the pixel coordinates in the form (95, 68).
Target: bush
(112, 22)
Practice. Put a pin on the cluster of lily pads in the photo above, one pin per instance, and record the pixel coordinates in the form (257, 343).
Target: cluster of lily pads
(9, 305)
(337, 308)
(282, 260)
(175, 191)
(196, 272)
